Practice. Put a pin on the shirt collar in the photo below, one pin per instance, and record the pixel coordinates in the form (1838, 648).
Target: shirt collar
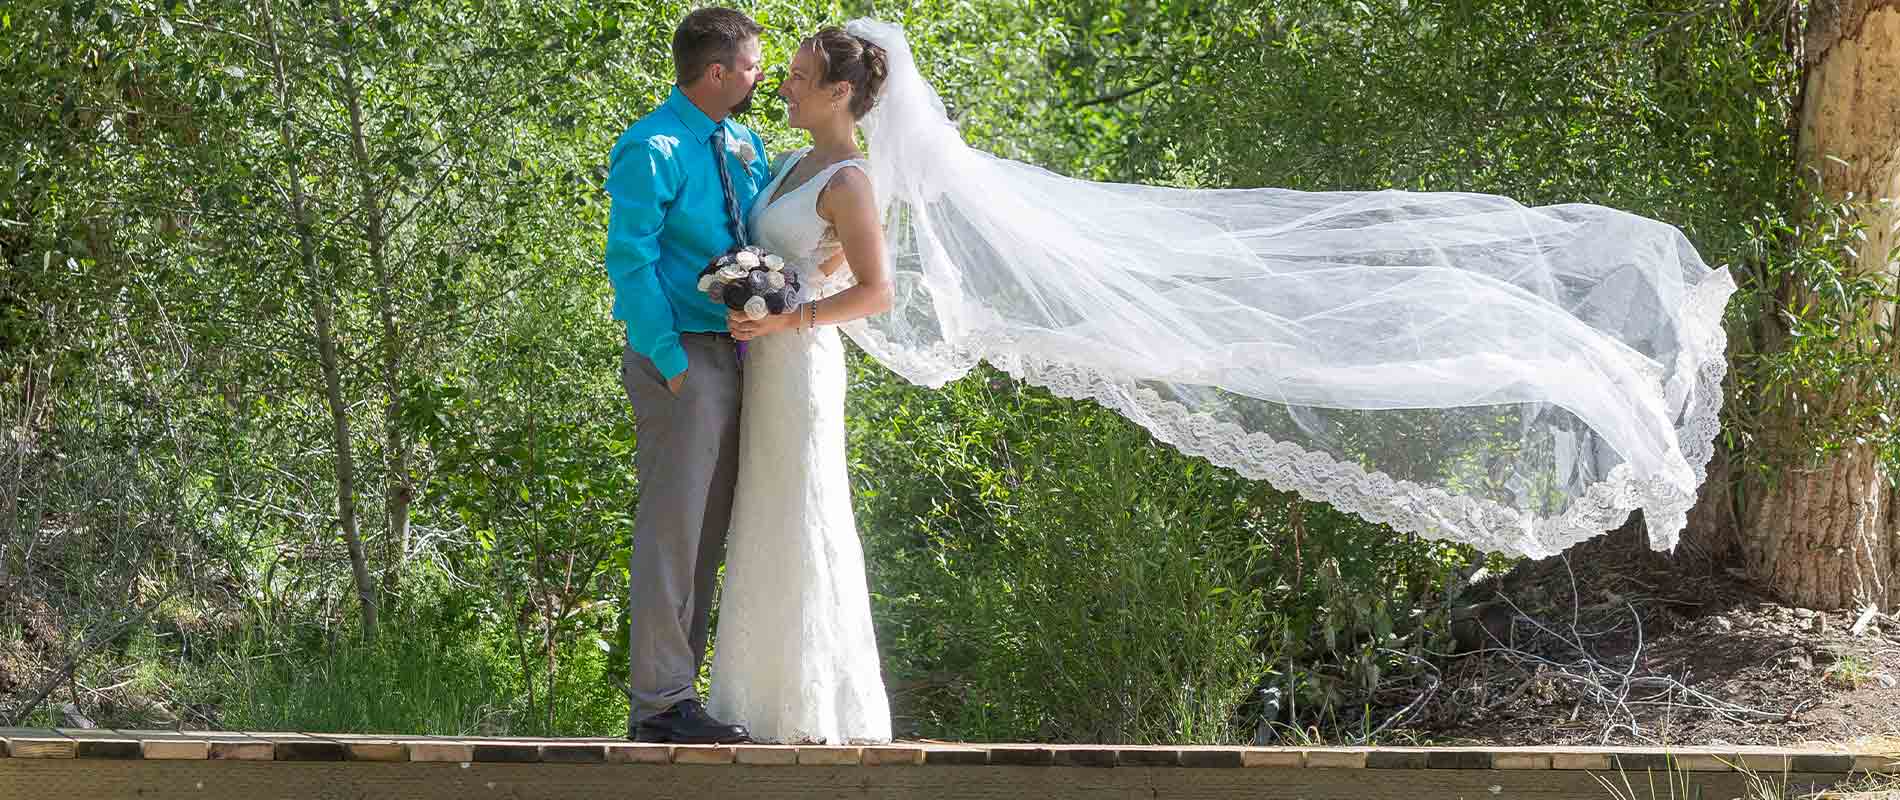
(695, 120)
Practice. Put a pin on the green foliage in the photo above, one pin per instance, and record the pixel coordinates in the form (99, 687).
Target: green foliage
(1820, 349)
(1042, 569)
(1053, 574)
(1046, 571)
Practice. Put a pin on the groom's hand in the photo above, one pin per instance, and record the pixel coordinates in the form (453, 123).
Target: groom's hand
(676, 383)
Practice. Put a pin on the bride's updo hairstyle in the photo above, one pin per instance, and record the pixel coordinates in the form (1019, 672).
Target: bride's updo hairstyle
(847, 58)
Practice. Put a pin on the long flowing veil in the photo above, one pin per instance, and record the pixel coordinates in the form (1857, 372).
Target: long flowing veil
(1454, 365)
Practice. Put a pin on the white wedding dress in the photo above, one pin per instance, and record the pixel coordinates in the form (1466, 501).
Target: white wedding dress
(796, 658)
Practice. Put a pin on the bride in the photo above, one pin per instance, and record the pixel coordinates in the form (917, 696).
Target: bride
(1453, 365)
(796, 659)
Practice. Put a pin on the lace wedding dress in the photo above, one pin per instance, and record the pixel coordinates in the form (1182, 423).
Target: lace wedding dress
(796, 659)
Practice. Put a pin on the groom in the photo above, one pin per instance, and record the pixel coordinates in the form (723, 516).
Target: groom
(676, 177)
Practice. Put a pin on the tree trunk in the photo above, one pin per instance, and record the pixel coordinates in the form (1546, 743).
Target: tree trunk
(323, 310)
(1823, 535)
(398, 489)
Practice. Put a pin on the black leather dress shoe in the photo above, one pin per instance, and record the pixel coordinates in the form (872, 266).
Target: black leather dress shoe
(688, 723)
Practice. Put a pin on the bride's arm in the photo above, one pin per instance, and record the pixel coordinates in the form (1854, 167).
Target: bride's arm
(850, 205)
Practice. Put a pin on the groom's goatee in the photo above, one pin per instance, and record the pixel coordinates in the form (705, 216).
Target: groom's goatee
(744, 105)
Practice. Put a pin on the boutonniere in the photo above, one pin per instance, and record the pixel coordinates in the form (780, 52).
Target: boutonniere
(741, 148)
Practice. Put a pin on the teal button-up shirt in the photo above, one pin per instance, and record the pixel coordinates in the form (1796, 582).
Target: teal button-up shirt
(668, 220)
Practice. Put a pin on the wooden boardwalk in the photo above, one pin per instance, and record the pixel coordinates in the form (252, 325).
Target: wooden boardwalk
(38, 764)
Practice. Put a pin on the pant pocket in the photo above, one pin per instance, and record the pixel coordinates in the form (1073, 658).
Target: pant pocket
(634, 366)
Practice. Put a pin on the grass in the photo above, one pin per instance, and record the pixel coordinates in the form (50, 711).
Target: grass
(416, 680)
(410, 683)
(1850, 671)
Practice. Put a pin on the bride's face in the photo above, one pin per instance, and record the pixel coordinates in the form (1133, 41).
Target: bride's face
(808, 103)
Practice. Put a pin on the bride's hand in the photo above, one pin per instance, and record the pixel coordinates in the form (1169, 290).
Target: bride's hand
(745, 329)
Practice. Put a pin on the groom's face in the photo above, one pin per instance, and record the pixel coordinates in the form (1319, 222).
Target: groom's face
(743, 77)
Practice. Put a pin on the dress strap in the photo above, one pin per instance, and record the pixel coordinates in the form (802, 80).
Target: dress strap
(823, 178)
(860, 163)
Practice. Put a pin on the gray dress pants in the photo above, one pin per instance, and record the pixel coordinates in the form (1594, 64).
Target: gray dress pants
(688, 460)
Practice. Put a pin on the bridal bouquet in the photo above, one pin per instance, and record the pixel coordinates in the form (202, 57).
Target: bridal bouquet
(751, 281)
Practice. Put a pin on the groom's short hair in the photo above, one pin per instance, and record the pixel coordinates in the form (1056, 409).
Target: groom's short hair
(706, 37)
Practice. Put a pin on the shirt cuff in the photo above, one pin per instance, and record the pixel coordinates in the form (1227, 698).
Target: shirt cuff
(668, 355)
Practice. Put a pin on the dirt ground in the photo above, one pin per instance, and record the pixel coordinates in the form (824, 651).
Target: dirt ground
(1632, 651)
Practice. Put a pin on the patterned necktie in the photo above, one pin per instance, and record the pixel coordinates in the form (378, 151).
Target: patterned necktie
(734, 219)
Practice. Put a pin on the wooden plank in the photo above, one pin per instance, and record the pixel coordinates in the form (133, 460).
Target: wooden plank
(1085, 756)
(1635, 762)
(438, 751)
(227, 746)
(765, 755)
(1821, 762)
(296, 746)
(1766, 760)
(829, 756)
(1520, 759)
(1877, 764)
(1275, 757)
(703, 754)
(1579, 760)
(38, 743)
(893, 756)
(937, 754)
(1397, 758)
(1022, 755)
(1669, 759)
(169, 745)
(508, 751)
(625, 752)
(50, 779)
(309, 748)
(1459, 758)
(370, 747)
(476, 749)
(1704, 761)
(1336, 758)
(180, 749)
(101, 743)
(570, 752)
(1211, 757)
(1149, 756)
